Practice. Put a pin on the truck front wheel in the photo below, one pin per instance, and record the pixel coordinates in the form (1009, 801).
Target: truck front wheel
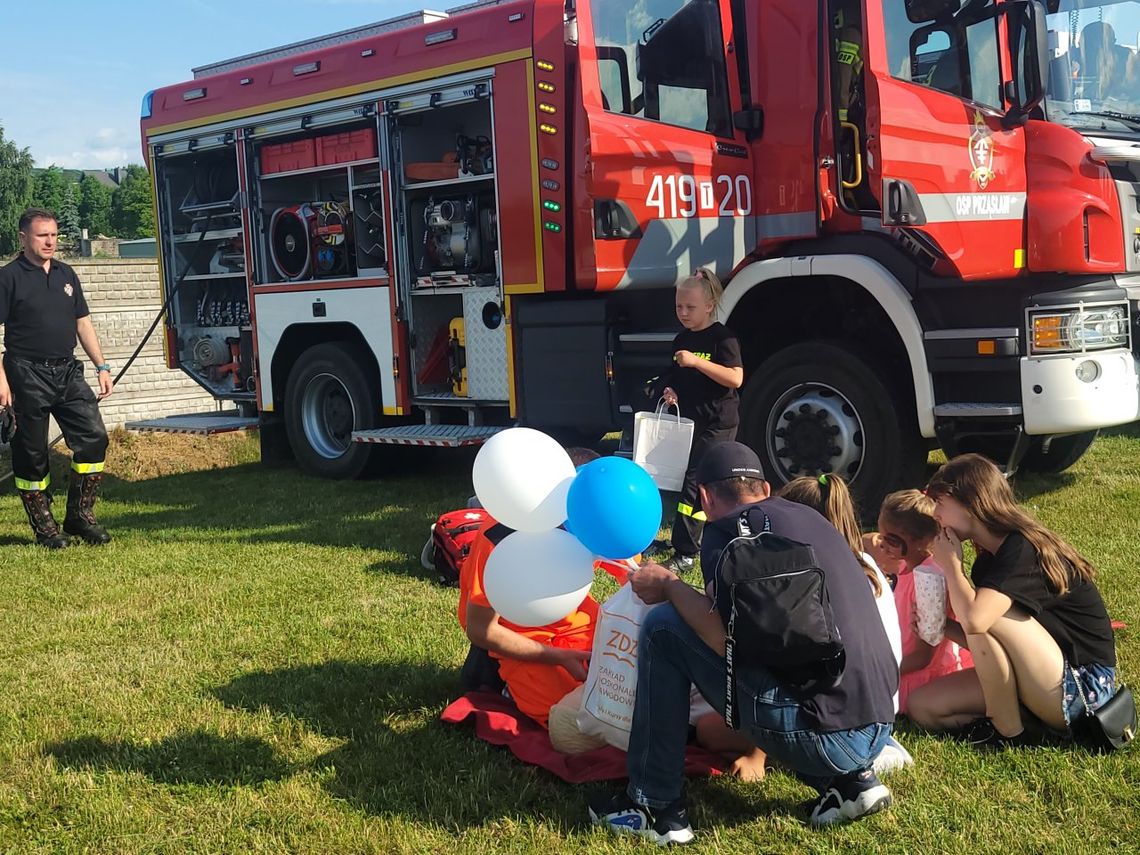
(327, 397)
(1063, 452)
(821, 407)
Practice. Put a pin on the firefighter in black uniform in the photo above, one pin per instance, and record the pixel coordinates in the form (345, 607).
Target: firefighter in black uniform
(43, 311)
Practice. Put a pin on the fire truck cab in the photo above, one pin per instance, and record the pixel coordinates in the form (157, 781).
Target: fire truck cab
(425, 230)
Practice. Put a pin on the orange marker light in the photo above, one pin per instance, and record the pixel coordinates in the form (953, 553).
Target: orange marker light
(987, 347)
(1047, 332)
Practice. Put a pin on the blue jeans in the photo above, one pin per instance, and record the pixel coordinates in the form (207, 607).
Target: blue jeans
(670, 657)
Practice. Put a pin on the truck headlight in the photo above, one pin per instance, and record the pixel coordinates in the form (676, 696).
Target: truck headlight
(1078, 329)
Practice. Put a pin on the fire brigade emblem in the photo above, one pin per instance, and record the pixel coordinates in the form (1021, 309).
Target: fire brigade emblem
(67, 289)
(981, 153)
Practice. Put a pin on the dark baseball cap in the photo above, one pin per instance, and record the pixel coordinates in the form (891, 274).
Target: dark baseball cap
(729, 460)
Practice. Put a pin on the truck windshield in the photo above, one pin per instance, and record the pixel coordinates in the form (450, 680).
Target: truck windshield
(1094, 68)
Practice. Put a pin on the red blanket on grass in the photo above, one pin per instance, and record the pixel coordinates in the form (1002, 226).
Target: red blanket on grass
(499, 722)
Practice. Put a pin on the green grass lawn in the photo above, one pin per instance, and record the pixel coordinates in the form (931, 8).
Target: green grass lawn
(258, 663)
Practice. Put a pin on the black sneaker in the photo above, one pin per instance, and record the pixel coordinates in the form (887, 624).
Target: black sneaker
(622, 815)
(983, 736)
(680, 564)
(849, 797)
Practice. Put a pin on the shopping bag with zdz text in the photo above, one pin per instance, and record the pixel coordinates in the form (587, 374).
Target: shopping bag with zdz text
(611, 685)
(661, 444)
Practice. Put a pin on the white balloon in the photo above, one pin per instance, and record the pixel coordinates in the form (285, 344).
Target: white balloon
(537, 578)
(522, 477)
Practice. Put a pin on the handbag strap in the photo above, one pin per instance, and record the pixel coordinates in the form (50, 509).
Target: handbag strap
(1080, 689)
(662, 407)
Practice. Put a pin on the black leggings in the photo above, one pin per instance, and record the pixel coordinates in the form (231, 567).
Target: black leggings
(690, 519)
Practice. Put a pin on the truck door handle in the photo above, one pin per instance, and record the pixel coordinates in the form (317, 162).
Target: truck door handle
(613, 220)
(903, 206)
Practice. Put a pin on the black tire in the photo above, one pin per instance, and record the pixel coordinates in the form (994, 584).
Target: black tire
(824, 407)
(328, 395)
(1063, 452)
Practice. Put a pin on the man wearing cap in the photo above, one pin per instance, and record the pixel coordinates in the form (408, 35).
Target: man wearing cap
(828, 738)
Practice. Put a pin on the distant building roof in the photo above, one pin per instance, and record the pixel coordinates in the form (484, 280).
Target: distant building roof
(108, 178)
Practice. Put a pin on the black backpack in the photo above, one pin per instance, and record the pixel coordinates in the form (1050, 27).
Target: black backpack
(772, 596)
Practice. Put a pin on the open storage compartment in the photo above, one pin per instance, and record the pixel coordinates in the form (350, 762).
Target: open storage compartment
(319, 202)
(444, 166)
(204, 260)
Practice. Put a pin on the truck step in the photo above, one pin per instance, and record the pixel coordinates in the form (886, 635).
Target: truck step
(438, 436)
(202, 424)
(967, 409)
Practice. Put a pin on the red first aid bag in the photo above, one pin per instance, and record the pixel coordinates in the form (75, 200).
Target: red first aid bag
(450, 542)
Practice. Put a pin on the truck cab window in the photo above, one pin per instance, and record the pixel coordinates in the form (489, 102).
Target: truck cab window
(958, 57)
(663, 60)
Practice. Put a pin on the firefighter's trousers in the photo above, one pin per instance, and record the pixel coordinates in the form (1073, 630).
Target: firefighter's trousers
(690, 519)
(43, 388)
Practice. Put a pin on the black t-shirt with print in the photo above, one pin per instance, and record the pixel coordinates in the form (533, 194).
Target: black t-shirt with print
(700, 397)
(1078, 621)
(865, 695)
(39, 308)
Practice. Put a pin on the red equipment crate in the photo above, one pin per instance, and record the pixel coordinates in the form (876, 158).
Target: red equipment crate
(342, 148)
(283, 157)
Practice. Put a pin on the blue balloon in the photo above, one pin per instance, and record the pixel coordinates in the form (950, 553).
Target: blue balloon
(613, 507)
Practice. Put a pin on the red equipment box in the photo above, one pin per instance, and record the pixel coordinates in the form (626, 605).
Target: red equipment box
(284, 157)
(342, 148)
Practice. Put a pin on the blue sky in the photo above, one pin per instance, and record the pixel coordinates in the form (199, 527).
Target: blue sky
(73, 75)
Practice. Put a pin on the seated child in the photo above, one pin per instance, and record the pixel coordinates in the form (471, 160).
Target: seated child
(907, 529)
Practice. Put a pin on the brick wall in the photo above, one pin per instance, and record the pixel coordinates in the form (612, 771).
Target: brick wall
(123, 295)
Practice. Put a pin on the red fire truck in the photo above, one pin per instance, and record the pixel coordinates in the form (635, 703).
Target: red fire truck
(429, 229)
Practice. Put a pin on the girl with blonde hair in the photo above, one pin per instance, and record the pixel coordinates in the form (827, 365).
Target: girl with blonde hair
(1033, 618)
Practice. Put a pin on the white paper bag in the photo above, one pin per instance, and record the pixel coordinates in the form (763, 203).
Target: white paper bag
(661, 444)
(930, 605)
(611, 684)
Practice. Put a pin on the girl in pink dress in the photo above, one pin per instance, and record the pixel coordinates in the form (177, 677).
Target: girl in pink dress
(930, 639)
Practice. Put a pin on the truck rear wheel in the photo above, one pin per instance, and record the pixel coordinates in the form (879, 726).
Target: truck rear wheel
(822, 407)
(327, 397)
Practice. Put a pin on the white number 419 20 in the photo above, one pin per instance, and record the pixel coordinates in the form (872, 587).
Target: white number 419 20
(682, 196)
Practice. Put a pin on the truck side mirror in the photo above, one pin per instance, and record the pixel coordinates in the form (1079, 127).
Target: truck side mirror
(751, 121)
(1028, 44)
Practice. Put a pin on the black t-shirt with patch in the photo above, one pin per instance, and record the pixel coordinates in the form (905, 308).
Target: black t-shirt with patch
(700, 397)
(1078, 621)
(865, 695)
(39, 309)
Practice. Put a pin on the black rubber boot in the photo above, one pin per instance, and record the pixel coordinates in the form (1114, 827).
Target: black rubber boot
(38, 505)
(80, 520)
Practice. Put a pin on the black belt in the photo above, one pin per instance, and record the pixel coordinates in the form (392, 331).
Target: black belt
(51, 363)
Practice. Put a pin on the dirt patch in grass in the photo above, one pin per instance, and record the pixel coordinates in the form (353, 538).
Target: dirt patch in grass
(137, 457)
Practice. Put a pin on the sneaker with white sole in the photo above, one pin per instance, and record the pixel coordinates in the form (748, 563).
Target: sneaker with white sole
(622, 815)
(680, 564)
(850, 797)
(892, 758)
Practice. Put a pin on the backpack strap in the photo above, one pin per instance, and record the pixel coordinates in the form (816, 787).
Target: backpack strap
(743, 529)
(498, 533)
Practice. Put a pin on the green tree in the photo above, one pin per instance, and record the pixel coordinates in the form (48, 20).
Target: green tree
(132, 205)
(69, 215)
(94, 206)
(16, 182)
(50, 188)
